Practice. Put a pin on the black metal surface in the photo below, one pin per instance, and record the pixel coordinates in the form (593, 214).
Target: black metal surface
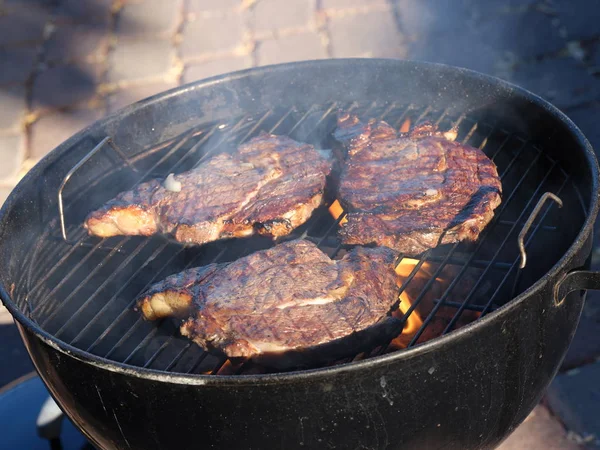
(467, 389)
(574, 281)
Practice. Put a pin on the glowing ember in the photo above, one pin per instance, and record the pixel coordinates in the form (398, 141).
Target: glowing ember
(336, 211)
(405, 127)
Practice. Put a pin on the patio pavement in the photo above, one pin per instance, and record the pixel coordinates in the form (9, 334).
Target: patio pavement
(66, 63)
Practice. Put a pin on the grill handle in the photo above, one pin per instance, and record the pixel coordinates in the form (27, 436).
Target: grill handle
(529, 223)
(574, 281)
(92, 152)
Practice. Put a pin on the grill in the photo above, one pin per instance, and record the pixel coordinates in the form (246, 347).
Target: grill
(81, 289)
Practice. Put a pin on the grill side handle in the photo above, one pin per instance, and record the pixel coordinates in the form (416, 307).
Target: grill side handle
(574, 281)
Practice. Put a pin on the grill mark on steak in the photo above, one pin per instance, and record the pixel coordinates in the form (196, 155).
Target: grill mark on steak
(270, 186)
(412, 191)
(283, 304)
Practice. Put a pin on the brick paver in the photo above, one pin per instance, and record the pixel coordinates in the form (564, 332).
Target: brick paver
(575, 396)
(563, 81)
(539, 431)
(76, 43)
(65, 85)
(203, 6)
(53, 128)
(22, 25)
(17, 64)
(96, 12)
(12, 149)
(269, 15)
(207, 69)
(132, 94)
(13, 105)
(212, 34)
(154, 17)
(66, 63)
(137, 58)
(374, 34)
(296, 47)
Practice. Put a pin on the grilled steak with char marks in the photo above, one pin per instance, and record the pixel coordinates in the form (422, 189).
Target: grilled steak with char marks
(270, 186)
(412, 191)
(290, 299)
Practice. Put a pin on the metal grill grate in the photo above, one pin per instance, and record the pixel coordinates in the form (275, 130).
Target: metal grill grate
(82, 291)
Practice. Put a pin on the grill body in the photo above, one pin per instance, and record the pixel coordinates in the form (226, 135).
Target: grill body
(467, 389)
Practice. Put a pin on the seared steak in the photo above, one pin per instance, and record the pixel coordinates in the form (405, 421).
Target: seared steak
(290, 298)
(413, 191)
(270, 186)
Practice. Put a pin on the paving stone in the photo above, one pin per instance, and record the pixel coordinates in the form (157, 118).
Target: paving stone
(194, 6)
(22, 25)
(540, 431)
(85, 11)
(580, 18)
(513, 32)
(211, 68)
(297, 47)
(39, 3)
(17, 64)
(422, 18)
(274, 14)
(12, 152)
(56, 127)
(76, 42)
(65, 85)
(562, 81)
(587, 120)
(212, 34)
(575, 397)
(372, 34)
(13, 106)
(148, 17)
(342, 4)
(481, 23)
(13, 355)
(4, 192)
(480, 56)
(133, 94)
(135, 58)
(585, 346)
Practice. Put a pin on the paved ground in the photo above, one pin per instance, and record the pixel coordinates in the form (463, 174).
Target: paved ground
(66, 63)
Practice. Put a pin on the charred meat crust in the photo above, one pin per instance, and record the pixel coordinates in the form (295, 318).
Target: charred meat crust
(270, 186)
(412, 191)
(281, 305)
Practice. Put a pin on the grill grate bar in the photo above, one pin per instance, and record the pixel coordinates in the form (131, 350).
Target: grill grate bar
(482, 276)
(426, 256)
(518, 258)
(71, 272)
(161, 345)
(336, 250)
(463, 270)
(176, 147)
(87, 302)
(127, 309)
(456, 305)
(178, 356)
(110, 301)
(142, 344)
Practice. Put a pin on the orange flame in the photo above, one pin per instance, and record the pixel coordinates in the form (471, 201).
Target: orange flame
(416, 318)
(336, 211)
(405, 127)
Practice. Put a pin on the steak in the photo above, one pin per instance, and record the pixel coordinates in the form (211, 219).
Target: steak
(412, 191)
(284, 304)
(270, 186)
